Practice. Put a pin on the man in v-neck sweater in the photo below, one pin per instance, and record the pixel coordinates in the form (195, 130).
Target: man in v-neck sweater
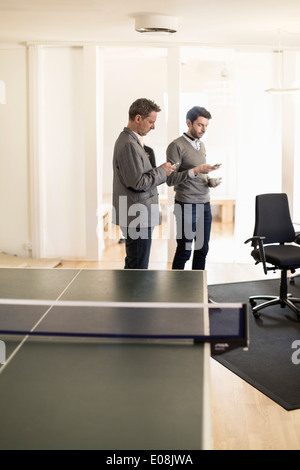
(192, 190)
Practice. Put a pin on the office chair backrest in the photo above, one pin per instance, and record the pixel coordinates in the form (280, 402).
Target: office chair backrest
(273, 219)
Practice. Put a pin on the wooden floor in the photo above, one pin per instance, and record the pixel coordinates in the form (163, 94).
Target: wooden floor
(242, 417)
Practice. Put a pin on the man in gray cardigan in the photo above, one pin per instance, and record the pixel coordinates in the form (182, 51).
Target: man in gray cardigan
(135, 195)
(192, 190)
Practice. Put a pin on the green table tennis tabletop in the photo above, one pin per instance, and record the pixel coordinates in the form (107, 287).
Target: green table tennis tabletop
(103, 394)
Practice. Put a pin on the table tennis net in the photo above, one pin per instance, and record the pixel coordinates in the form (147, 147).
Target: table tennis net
(225, 326)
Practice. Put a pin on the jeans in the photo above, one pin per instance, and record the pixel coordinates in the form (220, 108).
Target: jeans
(138, 246)
(188, 223)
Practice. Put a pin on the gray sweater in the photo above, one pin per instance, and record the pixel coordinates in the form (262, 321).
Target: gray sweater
(187, 189)
(135, 196)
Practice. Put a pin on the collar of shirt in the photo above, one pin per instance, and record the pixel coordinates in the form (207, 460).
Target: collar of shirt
(139, 137)
(195, 142)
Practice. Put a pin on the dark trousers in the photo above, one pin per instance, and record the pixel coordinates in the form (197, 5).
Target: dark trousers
(138, 246)
(188, 222)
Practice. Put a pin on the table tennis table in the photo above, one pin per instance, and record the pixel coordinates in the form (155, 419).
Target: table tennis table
(133, 387)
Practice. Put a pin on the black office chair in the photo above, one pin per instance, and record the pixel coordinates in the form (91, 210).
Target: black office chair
(292, 278)
(273, 243)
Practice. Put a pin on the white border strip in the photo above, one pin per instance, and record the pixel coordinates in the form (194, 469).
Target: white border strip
(81, 303)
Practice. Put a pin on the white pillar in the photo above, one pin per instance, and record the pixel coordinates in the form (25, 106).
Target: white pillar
(34, 139)
(2, 92)
(288, 127)
(92, 141)
(173, 127)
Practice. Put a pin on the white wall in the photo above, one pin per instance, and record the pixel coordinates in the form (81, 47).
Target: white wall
(296, 195)
(14, 182)
(62, 153)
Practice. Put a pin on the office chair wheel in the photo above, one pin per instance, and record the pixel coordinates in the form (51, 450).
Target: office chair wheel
(253, 304)
(256, 314)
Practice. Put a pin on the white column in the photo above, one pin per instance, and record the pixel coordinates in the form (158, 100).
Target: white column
(92, 142)
(288, 128)
(34, 139)
(2, 92)
(173, 127)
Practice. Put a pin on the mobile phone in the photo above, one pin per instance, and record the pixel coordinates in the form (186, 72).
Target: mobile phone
(217, 164)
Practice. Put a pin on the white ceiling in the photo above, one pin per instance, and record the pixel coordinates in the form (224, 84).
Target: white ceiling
(214, 22)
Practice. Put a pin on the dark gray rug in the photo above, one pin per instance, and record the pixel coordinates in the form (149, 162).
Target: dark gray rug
(272, 362)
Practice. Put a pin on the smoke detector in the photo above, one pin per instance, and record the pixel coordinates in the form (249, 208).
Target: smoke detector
(156, 24)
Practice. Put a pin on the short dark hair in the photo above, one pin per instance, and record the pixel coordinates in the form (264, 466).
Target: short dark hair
(144, 107)
(196, 112)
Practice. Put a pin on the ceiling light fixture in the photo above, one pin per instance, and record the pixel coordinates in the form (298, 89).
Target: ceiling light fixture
(281, 89)
(156, 24)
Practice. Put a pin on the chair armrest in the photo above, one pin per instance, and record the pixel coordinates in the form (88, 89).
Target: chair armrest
(258, 242)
